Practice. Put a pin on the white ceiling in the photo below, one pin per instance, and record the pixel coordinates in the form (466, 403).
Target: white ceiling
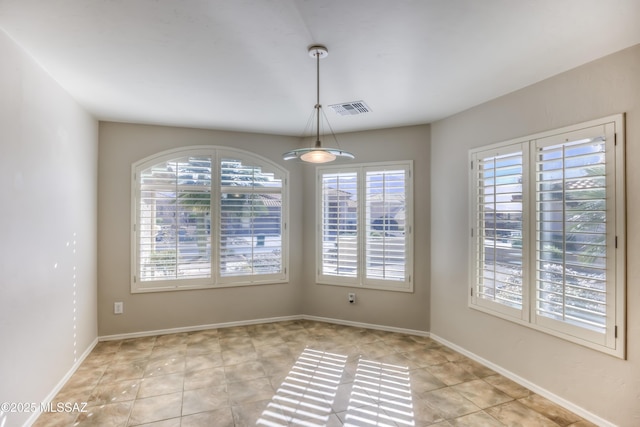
(243, 64)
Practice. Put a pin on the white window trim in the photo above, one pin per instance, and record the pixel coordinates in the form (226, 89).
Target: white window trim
(216, 280)
(614, 340)
(360, 281)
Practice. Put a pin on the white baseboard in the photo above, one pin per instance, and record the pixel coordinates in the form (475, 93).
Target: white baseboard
(196, 328)
(528, 384)
(52, 394)
(366, 325)
(259, 321)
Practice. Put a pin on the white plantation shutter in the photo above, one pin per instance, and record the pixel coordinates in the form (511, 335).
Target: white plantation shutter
(574, 205)
(498, 220)
(339, 225)
(250, 220)
(548, 231)
(385, 219)
(172, 228)
(365, 219)
(205, 217)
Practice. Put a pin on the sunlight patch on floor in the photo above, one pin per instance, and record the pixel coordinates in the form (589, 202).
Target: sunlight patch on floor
(307, 393)
(380, 393)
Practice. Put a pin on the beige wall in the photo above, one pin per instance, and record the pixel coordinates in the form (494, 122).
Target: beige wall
(391, 309)
(48, 160)
(604, 385)
(123, 144)
(120, 146)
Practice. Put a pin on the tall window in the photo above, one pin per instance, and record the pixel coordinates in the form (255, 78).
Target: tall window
(365, 226)
(205, 217)
(548, 232)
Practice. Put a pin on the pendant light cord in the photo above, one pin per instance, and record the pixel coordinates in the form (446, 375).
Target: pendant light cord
(317, 99)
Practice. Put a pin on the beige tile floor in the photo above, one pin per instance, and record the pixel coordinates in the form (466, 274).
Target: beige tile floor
(296, 373)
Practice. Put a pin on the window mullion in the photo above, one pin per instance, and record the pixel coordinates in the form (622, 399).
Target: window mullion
(215, 220)
(564, 233)
(495, 230)
(362, 227)
(529, 240)
(176, 213)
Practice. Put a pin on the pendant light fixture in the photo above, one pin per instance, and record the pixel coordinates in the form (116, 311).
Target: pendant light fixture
(318, 153)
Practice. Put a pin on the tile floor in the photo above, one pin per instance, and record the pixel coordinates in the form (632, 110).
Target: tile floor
(295, 373)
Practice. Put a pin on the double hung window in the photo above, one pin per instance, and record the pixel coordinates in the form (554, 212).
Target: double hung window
(365, 226)
(205, 217)
(547, 227)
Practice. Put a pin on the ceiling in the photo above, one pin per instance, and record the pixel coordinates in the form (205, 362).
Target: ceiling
(244, 65)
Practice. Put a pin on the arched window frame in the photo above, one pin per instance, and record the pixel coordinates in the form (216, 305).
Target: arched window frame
(199, 254)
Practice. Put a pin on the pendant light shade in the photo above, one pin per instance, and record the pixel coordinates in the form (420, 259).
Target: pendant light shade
(318, 156)
(317, 153)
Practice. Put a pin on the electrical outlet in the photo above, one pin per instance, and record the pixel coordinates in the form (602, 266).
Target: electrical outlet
(352, 298)
(118, 307)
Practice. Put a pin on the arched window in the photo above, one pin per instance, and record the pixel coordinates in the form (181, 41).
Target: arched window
(208, 217)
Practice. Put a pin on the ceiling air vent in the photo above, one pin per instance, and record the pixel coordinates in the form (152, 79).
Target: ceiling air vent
(350, 108)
